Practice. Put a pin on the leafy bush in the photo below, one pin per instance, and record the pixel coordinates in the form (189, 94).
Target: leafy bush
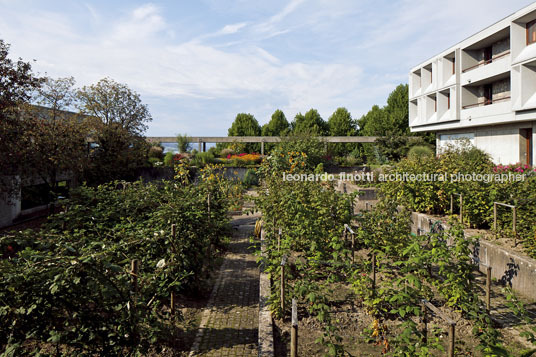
(68, 286)
(226, 152)
(202, 159)
(168, 159)
(183, 142)
(419, 151)
(156, 151)
(251, 178)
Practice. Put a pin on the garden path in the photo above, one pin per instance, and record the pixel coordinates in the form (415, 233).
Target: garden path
(229, 325)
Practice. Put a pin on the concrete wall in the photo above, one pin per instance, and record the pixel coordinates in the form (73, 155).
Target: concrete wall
(9, 210)
(508, 267)
(502, 142)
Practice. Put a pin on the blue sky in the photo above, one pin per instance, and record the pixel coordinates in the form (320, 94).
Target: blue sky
(197, 63)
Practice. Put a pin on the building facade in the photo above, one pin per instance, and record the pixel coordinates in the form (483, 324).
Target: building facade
(482, 89)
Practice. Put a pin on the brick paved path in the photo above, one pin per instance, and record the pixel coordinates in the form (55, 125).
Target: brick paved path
(229, 326)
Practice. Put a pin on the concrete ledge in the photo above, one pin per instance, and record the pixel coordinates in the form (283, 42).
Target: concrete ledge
(507, 266)
(266, 331)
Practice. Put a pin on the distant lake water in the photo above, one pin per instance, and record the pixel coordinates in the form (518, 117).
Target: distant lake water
(174, 147)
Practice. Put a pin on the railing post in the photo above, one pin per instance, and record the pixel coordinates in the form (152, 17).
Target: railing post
(488, 289)
(294, 331)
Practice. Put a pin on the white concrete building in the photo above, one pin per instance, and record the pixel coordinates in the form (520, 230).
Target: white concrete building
(484, 89)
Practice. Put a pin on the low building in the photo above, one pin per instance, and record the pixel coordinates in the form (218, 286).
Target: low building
(483, 89)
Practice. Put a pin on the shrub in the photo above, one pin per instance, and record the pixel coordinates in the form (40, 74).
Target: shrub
(155, 161)
(168, 159)
(251, 178)
(156, 151)
(319, 169)
(419, 151)
(226, 152)
(202, 159)
(183, 142)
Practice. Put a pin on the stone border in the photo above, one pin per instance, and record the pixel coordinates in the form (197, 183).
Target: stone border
(266, 330)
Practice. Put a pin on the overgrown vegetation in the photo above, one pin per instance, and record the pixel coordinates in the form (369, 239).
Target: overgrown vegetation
(68, 289)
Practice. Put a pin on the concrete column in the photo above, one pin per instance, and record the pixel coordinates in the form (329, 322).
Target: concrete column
(200, 146)
(262, 147)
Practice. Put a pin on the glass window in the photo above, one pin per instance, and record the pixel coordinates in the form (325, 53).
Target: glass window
(531, 32)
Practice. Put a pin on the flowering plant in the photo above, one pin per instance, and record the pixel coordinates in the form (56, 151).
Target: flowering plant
(518, 168)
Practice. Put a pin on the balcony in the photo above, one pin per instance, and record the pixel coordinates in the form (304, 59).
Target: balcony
(486, 102)
(486, 62)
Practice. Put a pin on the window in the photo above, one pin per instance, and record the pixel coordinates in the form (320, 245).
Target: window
(531, 32)
(435, 105)
(448, 101)
(488, 54)
(453, 65)
(488, 94)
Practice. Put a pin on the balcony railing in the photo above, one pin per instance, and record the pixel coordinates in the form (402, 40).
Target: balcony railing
(483, 63)
(486, 102)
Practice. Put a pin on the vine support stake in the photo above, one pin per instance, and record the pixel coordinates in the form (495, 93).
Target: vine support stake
(283, 263)
(279, 239)
(374, 274)
(452, 339)
(353, 248)
(514, 221)
(425, 322)
(461, 208)
(294, 330)
(134, 269)
(495, 218)
(488, 289)
(172, 304)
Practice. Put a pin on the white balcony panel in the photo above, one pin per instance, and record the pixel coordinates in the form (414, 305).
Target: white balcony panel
(498, 66)
(492, 110)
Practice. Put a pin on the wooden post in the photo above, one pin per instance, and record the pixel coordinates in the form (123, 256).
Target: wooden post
(294, 331)
(200, 146)
(461, 208)
(283, 262)
(353, 249)
(344, 187)
(134, 269)
(366, 206)
(495, 217)
(451, 204)
(279, 240)
(262, 147)
(488, 289)
(173, 231)
(373, 274)
(452, 339)
(514, 221)
(424, 320)
(172, 303)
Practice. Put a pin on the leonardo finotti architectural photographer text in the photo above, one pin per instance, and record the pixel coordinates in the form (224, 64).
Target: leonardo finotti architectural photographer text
(407, 177)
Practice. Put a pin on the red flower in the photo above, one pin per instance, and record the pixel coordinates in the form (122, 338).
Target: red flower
(9, 248)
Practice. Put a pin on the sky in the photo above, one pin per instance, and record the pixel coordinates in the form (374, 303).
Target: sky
(197, 63)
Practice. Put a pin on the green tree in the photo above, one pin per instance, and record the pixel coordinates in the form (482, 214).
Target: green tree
(17, 82)
(56, 137)
(311, 123)
(341, 124)
(120, 120)
(246, 125)
(277, 126)
(391, 124)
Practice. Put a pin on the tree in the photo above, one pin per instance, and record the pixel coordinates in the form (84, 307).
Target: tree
(391, 124)
(17, 82)
(121, 119)
(340, 123)
(277, 126)
(246, 125)
(115, 104)
(311, 123)
(57, 137)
